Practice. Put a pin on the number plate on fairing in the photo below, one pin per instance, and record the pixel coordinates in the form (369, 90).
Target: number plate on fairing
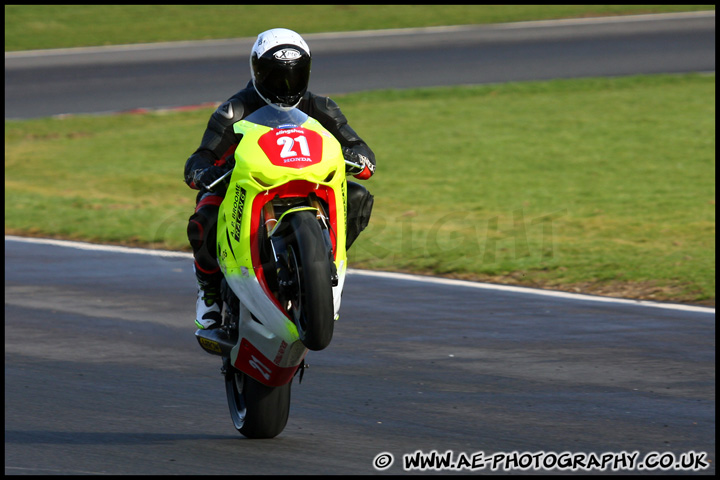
(293, 148)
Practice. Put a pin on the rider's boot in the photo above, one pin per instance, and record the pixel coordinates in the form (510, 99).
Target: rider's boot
(209, 304)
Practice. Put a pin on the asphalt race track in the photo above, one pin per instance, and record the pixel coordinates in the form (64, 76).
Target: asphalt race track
(125, 78)
(104, 376)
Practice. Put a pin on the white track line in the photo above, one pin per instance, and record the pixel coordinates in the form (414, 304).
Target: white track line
(98, 247)
(390, 275)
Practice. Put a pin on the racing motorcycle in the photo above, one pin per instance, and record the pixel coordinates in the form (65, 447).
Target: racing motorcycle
(281, 246)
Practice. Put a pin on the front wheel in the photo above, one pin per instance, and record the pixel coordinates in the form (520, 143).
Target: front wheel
(310, 301)
(257, 410)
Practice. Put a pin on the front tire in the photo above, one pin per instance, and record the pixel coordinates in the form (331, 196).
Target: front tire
(257, 410)
(311, 302)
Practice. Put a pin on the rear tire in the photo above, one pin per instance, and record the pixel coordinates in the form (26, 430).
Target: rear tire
(257, 410)
(311, 304)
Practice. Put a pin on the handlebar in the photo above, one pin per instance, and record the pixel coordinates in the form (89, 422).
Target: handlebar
(358, 166)
(212, 186)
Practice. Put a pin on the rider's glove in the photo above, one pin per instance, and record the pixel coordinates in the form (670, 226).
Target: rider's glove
(364, 168)
(202, 179)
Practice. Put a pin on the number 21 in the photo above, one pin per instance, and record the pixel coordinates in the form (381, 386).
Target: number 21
(288, 143)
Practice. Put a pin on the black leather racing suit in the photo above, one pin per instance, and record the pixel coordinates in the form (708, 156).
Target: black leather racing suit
(218, 146)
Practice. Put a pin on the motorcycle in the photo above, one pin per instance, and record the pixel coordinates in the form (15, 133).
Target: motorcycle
(281, 246)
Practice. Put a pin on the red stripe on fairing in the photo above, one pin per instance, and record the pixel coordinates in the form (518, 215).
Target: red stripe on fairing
(250, 361)
(297, 188)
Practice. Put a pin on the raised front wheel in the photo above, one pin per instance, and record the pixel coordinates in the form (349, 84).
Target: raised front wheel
(310, 300)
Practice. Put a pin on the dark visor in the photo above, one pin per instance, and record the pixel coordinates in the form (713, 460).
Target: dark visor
(282, 78)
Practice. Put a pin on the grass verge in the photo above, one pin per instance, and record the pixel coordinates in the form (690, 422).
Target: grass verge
(597, 185)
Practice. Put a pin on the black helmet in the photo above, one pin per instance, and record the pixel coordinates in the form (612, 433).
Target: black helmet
(280, 65)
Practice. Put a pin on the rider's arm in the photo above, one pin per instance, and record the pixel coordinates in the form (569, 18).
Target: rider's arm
(327, 112)
(218, 141)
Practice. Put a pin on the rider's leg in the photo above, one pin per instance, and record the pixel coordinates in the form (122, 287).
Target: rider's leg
(202, 236)
(360, 204)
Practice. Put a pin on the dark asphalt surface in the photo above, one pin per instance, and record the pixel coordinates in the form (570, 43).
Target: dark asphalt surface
(118, 79)
(103, 374)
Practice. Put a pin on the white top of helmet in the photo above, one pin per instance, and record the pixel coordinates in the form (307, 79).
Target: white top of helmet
(278, 36)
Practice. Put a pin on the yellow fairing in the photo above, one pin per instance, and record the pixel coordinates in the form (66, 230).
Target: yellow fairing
(277, 164)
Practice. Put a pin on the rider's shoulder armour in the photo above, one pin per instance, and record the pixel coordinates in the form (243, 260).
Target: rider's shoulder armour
(219, 135)
(229, 112)
(328, 113)
(326, 107)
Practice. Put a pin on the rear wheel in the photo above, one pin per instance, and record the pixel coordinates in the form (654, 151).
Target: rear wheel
(310, 300)
(257, 410)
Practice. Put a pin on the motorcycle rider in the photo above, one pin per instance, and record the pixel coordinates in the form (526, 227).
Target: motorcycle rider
(280, 63)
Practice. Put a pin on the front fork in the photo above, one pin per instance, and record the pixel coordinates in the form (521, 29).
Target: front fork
(322, 218)
(278, 245)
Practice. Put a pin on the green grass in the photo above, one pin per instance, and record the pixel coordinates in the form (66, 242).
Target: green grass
(58, 26)
(597, 185)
